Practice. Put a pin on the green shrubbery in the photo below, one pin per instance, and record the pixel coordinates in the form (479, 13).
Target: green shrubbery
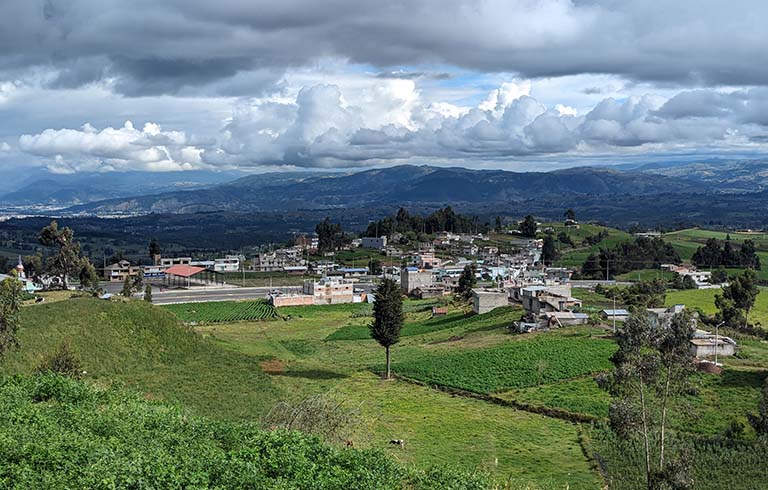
(56, 432)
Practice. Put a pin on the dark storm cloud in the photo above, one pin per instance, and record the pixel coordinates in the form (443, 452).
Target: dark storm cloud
(159, 46)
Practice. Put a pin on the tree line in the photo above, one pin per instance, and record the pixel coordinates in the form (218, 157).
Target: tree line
(712, 254)
(643, 253)
(444, 219)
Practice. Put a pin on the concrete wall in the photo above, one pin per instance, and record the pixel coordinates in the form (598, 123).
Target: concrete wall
(292, 300)
(485, 301)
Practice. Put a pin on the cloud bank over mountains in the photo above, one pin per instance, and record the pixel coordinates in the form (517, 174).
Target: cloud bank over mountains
(297, 83)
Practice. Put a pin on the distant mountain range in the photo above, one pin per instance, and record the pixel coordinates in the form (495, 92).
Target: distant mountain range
(401, 185)
(700, 193)
(72, 189)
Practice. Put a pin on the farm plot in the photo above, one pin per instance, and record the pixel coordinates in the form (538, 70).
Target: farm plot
(222, 311)
(535, 361)
(498, 318)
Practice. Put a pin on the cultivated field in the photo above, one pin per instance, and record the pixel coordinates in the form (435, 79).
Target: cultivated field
(222, 311)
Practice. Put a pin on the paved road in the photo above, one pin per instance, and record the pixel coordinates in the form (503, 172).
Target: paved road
(214, 294)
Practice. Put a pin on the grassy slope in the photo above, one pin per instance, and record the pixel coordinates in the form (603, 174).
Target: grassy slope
(145, 347)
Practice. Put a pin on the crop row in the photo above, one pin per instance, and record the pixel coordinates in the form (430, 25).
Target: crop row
(516, 364)
(223, 311)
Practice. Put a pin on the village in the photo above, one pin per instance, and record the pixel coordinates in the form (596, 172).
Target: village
(513, 274)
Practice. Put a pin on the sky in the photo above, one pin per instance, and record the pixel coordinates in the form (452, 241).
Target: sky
(167, 85)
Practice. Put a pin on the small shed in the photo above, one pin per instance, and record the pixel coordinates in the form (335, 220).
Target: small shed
(618, 315)
(706, 346)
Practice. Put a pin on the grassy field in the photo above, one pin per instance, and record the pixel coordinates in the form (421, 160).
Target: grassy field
(499, 318)
(222, 311)
(303, 359)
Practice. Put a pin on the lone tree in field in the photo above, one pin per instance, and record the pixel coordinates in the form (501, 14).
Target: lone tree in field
(570, 215)
(387, 317)
(10, 307)
(467, 281)
(528, 227)
(66, 261)
(652, 370)
(148, 294)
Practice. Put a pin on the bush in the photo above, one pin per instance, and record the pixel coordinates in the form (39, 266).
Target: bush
(64, 361)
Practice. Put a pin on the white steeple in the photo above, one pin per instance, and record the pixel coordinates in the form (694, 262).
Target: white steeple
(20, 269)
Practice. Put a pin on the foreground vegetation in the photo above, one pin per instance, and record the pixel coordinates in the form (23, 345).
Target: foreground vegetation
(60, 433)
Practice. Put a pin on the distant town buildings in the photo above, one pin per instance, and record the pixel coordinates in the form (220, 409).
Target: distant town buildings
(413, 277)
(379, 243)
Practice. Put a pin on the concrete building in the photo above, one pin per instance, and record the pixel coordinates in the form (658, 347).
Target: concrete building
(412, 278)
(620, 315)
(118, 271)
(171, 261)
(328, 291)
(542, 299)
(374, 243)
(485, 300)
(705, 347)
(230, 263)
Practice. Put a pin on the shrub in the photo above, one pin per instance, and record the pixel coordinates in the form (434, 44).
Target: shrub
(64, 361)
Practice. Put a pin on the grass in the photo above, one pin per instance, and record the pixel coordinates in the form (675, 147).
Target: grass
(238, 370)
(144, 347)
(516, 446)
(645, 275)
(223, 311)
(435, 425)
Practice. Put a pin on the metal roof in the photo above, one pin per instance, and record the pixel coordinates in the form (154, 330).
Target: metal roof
(184, 270)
